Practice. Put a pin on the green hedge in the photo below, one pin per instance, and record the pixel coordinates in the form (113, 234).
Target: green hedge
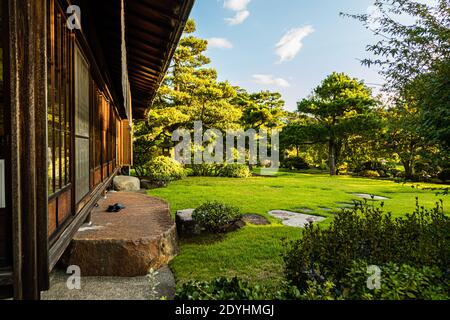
(421, 239)
(163, 170)
(216, 217)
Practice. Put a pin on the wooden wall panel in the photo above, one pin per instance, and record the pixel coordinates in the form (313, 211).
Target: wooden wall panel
(97, 176)
(52, 218)
(127, 144)
(105, 172)
(64, 206)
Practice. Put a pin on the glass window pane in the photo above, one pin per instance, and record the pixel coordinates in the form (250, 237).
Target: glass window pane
(63, 159)
(57, 172)
(50, 158)
(68, 162)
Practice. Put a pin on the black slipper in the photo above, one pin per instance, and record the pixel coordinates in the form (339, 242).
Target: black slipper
(115, 208)
(120, 206)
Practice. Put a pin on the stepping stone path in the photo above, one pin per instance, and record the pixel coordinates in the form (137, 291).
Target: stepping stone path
(255, 219)
(370, 196)
(325, 209)
(304, 210)
(294, 219)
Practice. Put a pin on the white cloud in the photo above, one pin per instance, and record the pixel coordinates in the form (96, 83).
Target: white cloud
(239, 18)
(220, 43)
(291, 43)
(267, 79)
(236, 5)
(240, 7)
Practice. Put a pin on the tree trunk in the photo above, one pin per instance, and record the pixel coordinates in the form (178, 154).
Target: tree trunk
(332, 157)
(409, 169)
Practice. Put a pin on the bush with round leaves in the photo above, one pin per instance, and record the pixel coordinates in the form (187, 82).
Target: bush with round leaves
(235, 170)
(216, 217)
(163, 170)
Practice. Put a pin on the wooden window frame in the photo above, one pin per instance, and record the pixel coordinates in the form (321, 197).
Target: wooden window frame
(61, 44)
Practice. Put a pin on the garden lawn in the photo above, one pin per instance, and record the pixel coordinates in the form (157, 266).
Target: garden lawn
(253, 253)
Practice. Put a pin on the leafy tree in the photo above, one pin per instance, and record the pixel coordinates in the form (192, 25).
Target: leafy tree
(415, 57)
(367, 146)
(191, 91)
(341, 107)
(407, 50)
(145, 146)
(432, 93)
(299, 134)
(262, 110)
(403, 138)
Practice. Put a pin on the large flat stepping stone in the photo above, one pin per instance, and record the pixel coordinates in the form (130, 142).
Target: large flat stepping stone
(127, 243)
(304, 210)
(294, 219)
(370, 196)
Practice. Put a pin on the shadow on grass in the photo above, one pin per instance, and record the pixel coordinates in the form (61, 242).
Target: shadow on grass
(204, 239)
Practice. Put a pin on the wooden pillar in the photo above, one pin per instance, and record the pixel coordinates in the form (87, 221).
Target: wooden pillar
(28, 100)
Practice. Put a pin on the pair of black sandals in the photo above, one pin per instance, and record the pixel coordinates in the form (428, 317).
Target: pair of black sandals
(115, 208)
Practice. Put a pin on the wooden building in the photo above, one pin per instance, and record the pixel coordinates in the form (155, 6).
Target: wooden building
(71, 82)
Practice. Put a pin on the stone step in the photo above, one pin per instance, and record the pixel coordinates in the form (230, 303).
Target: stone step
(127, 243)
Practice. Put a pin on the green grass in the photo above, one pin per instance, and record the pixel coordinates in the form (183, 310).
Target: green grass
(253, 253)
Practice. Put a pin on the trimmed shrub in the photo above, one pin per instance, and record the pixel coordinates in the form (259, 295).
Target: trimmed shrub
(204, 170)
(163, 170)
(235, 170)
(370, 174)
(294, 163)
(444, 175)
(367, 233)
(216, 217)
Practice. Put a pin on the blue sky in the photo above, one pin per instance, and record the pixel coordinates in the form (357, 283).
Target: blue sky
(313, 41)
